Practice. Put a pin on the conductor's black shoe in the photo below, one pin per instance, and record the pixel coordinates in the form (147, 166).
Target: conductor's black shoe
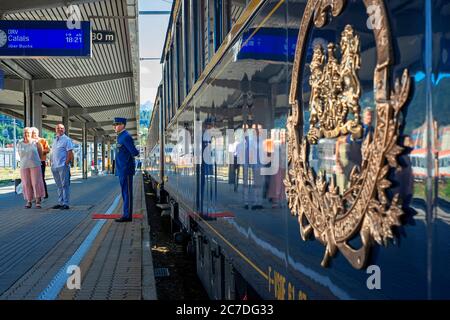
(123, 219)
(58, 206)
(65, 207)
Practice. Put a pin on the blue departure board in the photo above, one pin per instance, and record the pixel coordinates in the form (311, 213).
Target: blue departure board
(272, 44)
(28, 39)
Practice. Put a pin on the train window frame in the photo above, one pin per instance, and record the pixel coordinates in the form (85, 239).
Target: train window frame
(202, 12)
(186, 45)
(180, 62)
(166, 91)
(173, 75)
(218, 24)
(226, 18)
(169, 93)
(169, 98)
(205, 33)
(166, 88)
(210, 28)
(193, 46)
(200, 46)
(175, 72)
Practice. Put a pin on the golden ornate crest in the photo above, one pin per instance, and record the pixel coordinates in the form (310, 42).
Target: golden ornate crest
(335, 90)
(363, 208)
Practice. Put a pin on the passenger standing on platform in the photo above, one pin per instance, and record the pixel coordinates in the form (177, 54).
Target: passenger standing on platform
(30, 169)
(45, 150)
(276, 190)
(62, 155)
(125, 166)
(256, 147)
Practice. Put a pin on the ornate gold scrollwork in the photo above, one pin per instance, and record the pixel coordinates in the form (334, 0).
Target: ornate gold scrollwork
(363, 207)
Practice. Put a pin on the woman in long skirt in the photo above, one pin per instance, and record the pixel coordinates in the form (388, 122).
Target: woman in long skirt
(30, 152)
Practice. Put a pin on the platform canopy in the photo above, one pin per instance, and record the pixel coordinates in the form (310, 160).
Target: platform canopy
(80, 92)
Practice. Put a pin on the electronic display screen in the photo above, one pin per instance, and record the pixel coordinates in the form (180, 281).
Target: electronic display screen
(23, 39)
(269, 44)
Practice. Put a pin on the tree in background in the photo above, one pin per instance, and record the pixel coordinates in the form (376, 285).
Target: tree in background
(48, 135)
(7, 131)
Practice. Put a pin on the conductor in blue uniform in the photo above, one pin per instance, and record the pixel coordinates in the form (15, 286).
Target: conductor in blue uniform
(125, 166)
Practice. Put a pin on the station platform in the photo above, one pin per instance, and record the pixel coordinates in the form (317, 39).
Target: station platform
(41, 248)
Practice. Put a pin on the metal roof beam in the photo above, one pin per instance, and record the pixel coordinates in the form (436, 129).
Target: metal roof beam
(74, 124)
(57, 100)
(92, 125)
(54, 111)
(12, 114)
(15, 68)
(10, 6)
(79, 110)
(79, 124)
(13, 84)
(11, 107)
(20, 117)
(41, 85)
(103, 123)
(53, 122)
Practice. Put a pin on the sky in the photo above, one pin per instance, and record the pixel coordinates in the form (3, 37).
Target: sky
(152, 32)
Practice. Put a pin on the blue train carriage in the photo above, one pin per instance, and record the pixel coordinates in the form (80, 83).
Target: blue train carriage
(303, 146)
(152, 161)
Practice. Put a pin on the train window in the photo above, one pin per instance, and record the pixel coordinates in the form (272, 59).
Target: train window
(210, 34)
(226, 14)
(186, 45)
(169, 89)
(213, 19)
(174, 81)
(235, 9)
(180, 64)
(167, 98)
(226, 18)
(194, 56)
(164, 91)
(206, 35)
(218, 23)
(169, 93)
(202, 36)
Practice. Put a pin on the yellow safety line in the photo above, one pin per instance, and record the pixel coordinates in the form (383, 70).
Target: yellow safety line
(265, 276)
(235, 249)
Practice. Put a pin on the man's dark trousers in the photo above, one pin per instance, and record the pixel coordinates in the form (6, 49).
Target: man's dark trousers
(126, 184)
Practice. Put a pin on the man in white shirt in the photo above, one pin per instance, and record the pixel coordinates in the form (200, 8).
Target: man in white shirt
(62, 155)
